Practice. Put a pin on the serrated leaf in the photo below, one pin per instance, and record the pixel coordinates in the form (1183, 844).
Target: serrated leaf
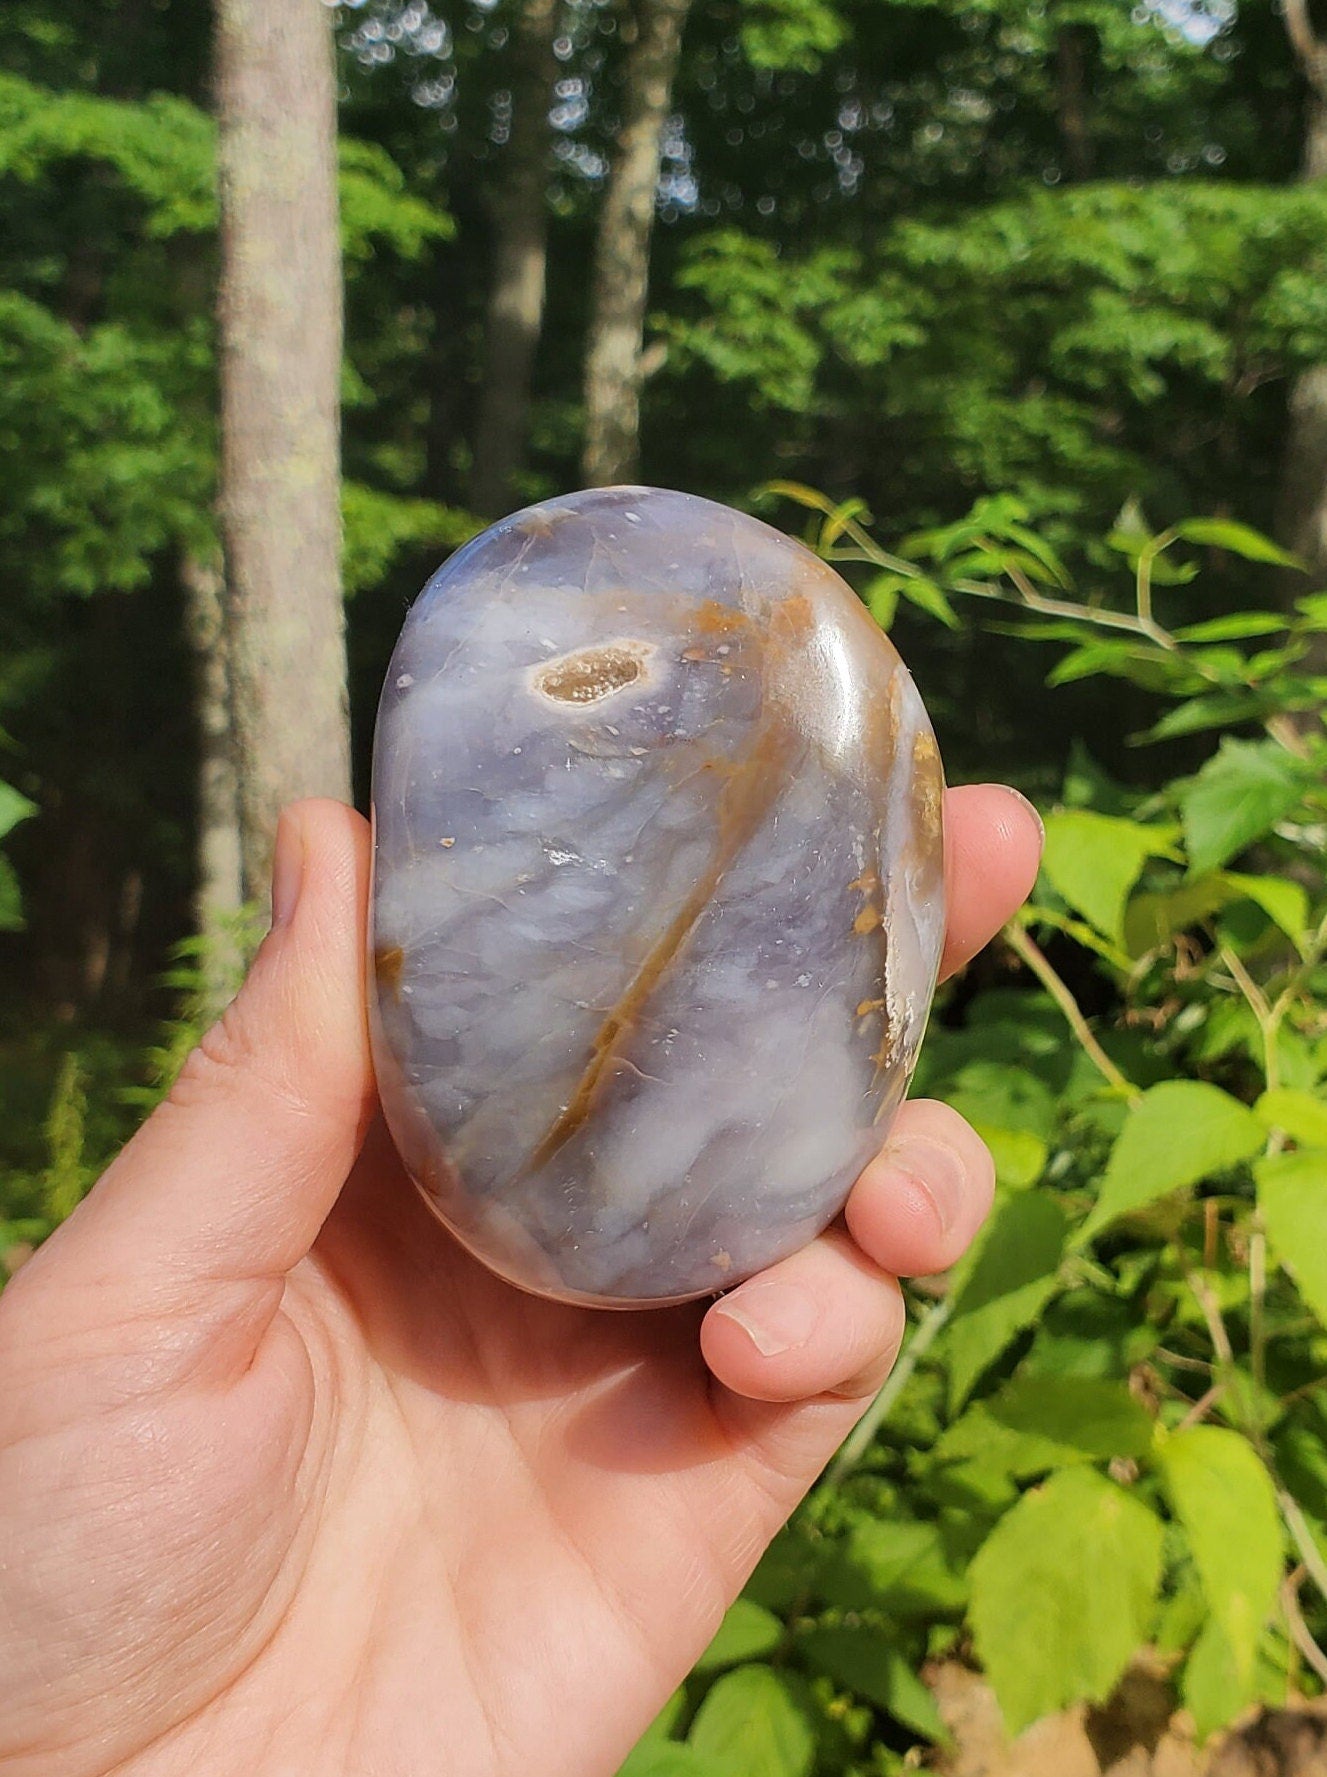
(1299, 1115)
(756, 1723)
(1239, 539)
(869, 1662)
(1062, 1593)
(1093, 860)
(1223, 1496)
(1238, 797)
(747, 1632)
(1007, 1283)
(1292, 1196)
(1179, 1132)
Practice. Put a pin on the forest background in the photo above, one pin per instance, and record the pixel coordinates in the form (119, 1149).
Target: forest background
(1018, 309)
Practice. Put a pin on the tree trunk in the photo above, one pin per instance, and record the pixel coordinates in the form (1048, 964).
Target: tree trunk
(520, 259)
(280, 336)
(622, 250)
(1071, 89)
(218, 877)
(1303, 514)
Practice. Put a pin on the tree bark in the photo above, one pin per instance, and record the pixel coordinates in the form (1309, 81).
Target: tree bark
(218, 867)
(280, 338)
(520, 261)
(1303, 514)
(613, 372)
(1071, 100)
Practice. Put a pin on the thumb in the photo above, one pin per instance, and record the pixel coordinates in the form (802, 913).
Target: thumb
(230, 1179)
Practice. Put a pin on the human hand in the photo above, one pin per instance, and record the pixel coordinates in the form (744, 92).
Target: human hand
(290, 1484)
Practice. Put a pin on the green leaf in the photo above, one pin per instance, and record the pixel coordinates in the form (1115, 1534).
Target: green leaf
(1237, 797)
(1223, 1496)
(1292, 1195)
(1080, 1415)
(874, 1559)
(1012, 1111)
(880, 596)
(1093, 860)
(1299, 1115)
(14, 808)
(1211, 1688)
(1232, 628)
(928, 597)
(669, 1758)
(1152, 920)
(1180, 1132)
(1286, 903)
(1008, 1282)
(1216, 710)
(1239, 539)
(1036, 1423)
(11, 898)
(870, 1663)
(1062, 1593)
(747, 1632)
(756, 1723)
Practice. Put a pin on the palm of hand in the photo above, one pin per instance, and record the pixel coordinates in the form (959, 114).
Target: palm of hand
(416, 1473)
(370, 1509)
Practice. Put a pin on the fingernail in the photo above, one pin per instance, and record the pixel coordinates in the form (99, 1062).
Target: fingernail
(937, 1170)
(774, 1316)
(287, 872)
(1032, 809)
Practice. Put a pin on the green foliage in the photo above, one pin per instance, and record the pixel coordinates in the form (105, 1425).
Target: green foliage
(1176, 1134)
(1062, 1593)
(1223, 1496)
(13, 809)
(756, 1722)
(1105, 1433)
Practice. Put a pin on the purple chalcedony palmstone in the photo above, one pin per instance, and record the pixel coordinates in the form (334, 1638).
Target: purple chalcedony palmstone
(658, 896)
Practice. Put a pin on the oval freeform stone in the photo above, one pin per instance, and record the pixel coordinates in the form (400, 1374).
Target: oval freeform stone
(658, 896)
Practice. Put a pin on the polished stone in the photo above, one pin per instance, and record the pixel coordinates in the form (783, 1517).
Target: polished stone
(658, 895)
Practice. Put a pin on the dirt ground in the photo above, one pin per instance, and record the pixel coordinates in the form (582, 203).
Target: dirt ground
(1138, 1733)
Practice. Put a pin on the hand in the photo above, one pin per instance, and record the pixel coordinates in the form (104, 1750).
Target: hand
(290, 1484)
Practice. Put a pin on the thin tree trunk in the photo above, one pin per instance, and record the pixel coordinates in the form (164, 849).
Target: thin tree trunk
(520, 262)
(280, 328)
(218, 871)
(613, 372)
(1303, 514)
(1071, 100)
